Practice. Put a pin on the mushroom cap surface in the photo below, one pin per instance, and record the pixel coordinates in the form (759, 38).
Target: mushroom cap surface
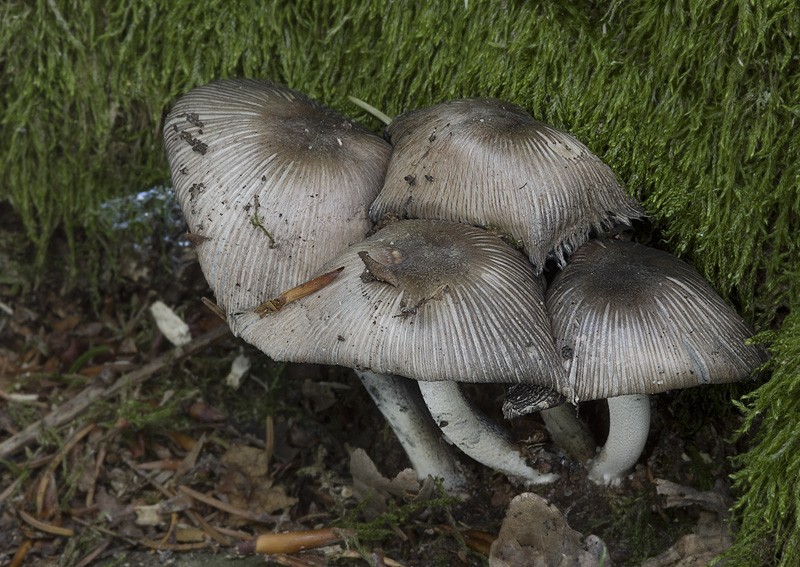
(441, 301)
(629, 319)
(522, 399)
(487, 162)
(272, 182)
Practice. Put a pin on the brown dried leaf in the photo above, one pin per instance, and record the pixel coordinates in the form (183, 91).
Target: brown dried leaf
(205, 413)
(186, 442)
(246, 483)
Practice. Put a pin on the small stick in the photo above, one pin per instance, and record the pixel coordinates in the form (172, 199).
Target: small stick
(269, 444)
(98, 464)
(162, 465)
(298, 292)
(233, 533)
(213, 502)
(214, 308)
(173, 524)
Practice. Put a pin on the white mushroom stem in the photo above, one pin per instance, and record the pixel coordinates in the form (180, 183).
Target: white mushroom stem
(475, 434)
(569, 432)
(629, 424)
(399, 401)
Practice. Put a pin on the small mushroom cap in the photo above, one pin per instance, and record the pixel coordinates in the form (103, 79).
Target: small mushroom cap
(428, 300)
(522, 399)
(273, 181)
(629, 319)
(486, 162)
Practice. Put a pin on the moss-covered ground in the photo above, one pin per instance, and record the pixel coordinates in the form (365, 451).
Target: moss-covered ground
(694, 104)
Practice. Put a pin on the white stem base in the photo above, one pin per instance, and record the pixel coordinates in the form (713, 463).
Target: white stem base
(399, 401)
(629, 424)
(475, 434)
(569, 432)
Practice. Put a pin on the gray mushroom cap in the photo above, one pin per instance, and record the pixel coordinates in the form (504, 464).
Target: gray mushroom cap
(486, 162)
(440, 301)
(629, 319)
(272, 184)
(522, 399)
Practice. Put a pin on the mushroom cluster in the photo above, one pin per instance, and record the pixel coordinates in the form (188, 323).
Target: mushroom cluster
(631, 321)
(279, 190)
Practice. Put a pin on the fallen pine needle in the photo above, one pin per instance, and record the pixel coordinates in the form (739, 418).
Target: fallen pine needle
(22, 551)
(104, 531)
(227, 507)
(294, 561)
(45, 527)
(290, 542)
(233, 533)
(214, 308)
(163, 465)
(157, 545)
(353, 554)
(478, 541)
(9, 490)
(89, 559)
(371, 109)
(53, 465)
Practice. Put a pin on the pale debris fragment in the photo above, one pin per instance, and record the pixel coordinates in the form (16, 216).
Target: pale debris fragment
(171, 325)
(22, 398)
(149, 516)
(239, 369)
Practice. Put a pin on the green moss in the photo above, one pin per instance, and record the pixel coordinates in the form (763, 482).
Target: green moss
(638, 531)
(690, 102)
(140, 415)
(384, 527)
(769, 508)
